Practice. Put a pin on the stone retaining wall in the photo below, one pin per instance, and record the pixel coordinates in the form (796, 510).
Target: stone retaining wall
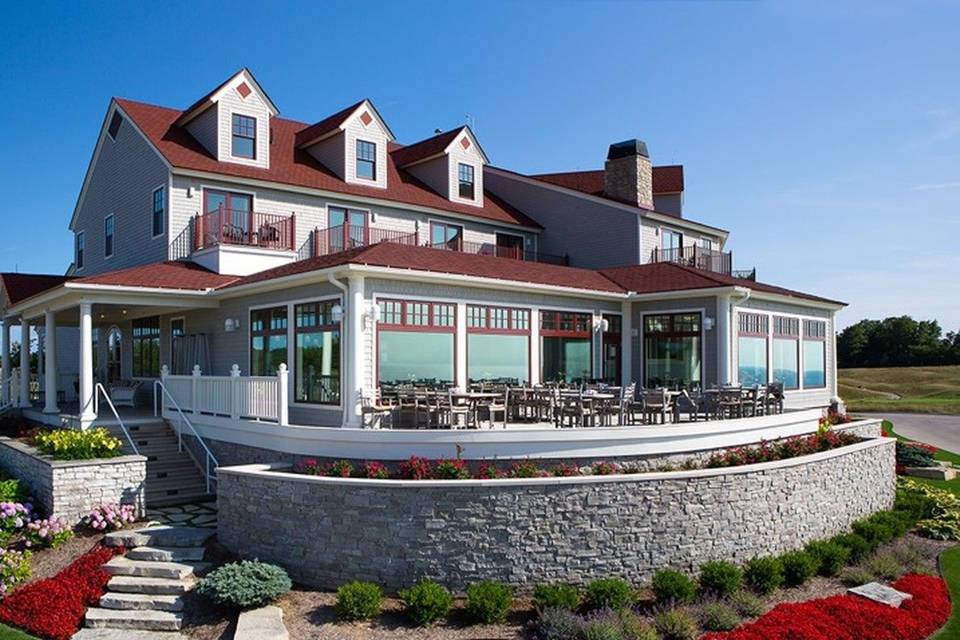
(327, 531)
(71, 488)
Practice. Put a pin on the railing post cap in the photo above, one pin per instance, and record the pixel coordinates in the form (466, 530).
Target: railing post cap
(282, 368)
(235, 371)
(196, 370)
(164, 371)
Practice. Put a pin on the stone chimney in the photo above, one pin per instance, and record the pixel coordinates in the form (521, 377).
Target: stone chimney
(628, 174)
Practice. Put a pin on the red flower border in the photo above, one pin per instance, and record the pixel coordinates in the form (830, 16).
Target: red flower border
(53, 608)
(847, 617)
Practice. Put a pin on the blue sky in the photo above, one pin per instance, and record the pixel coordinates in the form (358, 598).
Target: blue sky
(825, 138)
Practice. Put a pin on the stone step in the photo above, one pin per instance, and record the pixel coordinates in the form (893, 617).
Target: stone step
(153, 586)
(126, 634)
(141, 601)
(121, 566)
(167, 554)
(159, 536)
(133, 619)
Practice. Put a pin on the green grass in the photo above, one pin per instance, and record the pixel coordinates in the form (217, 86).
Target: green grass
(921, 389)
(9, 633)
(950, 570)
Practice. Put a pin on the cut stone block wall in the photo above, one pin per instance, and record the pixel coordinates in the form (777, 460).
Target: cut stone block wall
(327, 531)
(71, 488)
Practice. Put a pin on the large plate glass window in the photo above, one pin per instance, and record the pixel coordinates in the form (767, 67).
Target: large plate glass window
(146, 348)
(316, 354)
(244, 142)
(672, 348)
(446, 236)
(366, 160)
(416, 343)
(498, 345)
(268, 340)
(566, 346)
(786, 349)
(814, 354)
(752, 348)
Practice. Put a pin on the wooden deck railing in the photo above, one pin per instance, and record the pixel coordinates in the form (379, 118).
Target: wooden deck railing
(697, 257)
(244, 228)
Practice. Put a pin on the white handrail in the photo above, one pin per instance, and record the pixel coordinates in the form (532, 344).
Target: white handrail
(97, 390)
(157, 384)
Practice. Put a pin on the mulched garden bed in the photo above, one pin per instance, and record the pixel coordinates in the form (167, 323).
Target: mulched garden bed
(46, 563)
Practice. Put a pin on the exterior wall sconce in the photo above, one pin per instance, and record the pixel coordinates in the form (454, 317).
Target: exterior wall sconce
(603, 325)
(230, 325)
(708, 323)
(336, 313)
(371, 316)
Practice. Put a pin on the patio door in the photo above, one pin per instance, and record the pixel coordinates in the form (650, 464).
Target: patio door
(509, 246)
(114, 356)
(235, 210)
(347, 229)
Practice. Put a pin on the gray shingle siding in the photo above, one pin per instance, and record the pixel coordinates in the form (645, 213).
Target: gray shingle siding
(121, 182)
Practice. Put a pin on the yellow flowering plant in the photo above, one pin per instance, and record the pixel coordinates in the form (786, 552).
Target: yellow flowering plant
(71, 444)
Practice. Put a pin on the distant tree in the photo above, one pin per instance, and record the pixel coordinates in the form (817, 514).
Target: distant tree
(897, 342)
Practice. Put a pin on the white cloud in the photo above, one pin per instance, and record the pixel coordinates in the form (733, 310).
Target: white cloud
(936, 186)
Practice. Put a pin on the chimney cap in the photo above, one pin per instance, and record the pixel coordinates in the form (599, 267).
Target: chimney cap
(627, 148)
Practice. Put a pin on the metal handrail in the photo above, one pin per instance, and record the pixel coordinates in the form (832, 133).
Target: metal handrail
(97, 390)
(158, 384)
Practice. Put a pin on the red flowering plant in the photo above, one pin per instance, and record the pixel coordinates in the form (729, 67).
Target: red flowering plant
(849, 617)
(338, 469)
(603, 468)
(526, 469)
(455, 469)
(308, 467)
(781, 449)
(415, 469)
(489, 471)
(565, 469)
(54, 608)
(373, 471)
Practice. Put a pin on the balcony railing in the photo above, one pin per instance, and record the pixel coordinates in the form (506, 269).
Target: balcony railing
(244, 228)
(697, 257)
(344, 237)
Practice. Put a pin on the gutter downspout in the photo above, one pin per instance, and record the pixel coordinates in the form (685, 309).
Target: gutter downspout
(726, 371)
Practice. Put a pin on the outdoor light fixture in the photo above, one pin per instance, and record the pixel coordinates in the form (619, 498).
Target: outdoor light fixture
(708, 323)
(230, 325)
(336, 313)
(603, 325)
(372, 315)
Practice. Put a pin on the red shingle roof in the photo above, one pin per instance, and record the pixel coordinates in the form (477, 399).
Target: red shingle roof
(666, 179)
(424, 149)
(666, 276)
(292, 166)
(325, 126)
(399, 256)
(20, 286)
(183, 276)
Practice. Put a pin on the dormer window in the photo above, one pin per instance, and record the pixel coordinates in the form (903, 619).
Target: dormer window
(366, 160)
(465, 173)
(244, 137)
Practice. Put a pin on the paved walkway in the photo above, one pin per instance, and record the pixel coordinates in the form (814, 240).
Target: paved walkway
(940, 431)
(196, 514)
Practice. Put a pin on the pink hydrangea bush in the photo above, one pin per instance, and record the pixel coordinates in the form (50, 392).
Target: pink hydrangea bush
(14, 516)
(47, 532)
(110, 517)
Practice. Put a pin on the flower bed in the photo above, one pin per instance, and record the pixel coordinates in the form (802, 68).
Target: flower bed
(848, 617)
(416, 468)
(54, 608)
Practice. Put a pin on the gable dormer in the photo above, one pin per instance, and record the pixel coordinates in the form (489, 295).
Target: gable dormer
(352, 143)
(232, 122)
(450, 163)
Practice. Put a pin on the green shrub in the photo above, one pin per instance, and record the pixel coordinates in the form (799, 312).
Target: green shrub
(426, 602)
(675, 624)
(555, 623)
(855, 576)
(858, 547)
(633, 627)
(73, 444)
(898, 522)
(558, 595)
(747, 604)
(12, 491)
(720, 578)
(14, 569)
(608, 593)
(358, 601)
(909, 557)
(603, 628)
(673, 587)
(764, 575)
(830, 556)
(917, 505)
(798, 567)
(245, 584)
(875, 533)
(914, 454)
(883, 567)
(718, 616)
(489, 601)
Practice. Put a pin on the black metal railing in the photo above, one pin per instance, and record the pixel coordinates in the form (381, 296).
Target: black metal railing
(696, 257)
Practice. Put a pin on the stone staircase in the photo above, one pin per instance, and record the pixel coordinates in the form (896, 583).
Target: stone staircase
(172, 476)
(144, 598)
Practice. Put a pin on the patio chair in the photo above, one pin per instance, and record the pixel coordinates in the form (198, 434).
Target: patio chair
(609, 408)
(461, 408)
(730, 402)
(774, 400)
(655, 405)
(123, 393)
(376, 409)
(633, 406)
(576, 409)
(686, 403)
(496, 406)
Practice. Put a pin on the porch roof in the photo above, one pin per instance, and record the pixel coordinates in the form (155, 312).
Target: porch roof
(17, 287)
(176, 275)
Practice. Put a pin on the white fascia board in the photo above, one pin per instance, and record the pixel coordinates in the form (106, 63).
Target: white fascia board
(794, 300)
(683, 293)
(228, 85)
(473, 141)
(653, 215)
(323, 193)
(101, 137)
(71, 294)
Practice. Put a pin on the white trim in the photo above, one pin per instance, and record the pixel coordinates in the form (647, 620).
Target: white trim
(735, 333)
(256, 160)
(396, 204)
(703, 341)
(166, 208)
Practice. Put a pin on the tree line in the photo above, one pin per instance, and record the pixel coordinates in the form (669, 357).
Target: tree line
(897, 342)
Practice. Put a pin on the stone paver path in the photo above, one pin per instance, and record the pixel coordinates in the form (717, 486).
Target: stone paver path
(195, 514)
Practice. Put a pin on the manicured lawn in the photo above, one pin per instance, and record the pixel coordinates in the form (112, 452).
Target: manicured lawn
(9, 633)
(921, 389)
(950, 568)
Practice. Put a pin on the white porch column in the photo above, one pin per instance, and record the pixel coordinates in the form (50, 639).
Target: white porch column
(354, 374)
(50, 362)
(87, 414)
(5, 363)
(535, 363)
(722, 336)
(626, 343)
(460, 377)
(24, 362)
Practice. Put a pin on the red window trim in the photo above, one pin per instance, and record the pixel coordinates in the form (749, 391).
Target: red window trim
(566, 333)
(319, 328)
(488, 309)
(431, 327)
(346, 223)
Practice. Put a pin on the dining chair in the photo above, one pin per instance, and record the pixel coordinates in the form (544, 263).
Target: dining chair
(686, 403)
(376, 409)
(655, 404)
(461, 408)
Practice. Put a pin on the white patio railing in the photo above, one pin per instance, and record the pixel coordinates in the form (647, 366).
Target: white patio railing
(233, 396)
